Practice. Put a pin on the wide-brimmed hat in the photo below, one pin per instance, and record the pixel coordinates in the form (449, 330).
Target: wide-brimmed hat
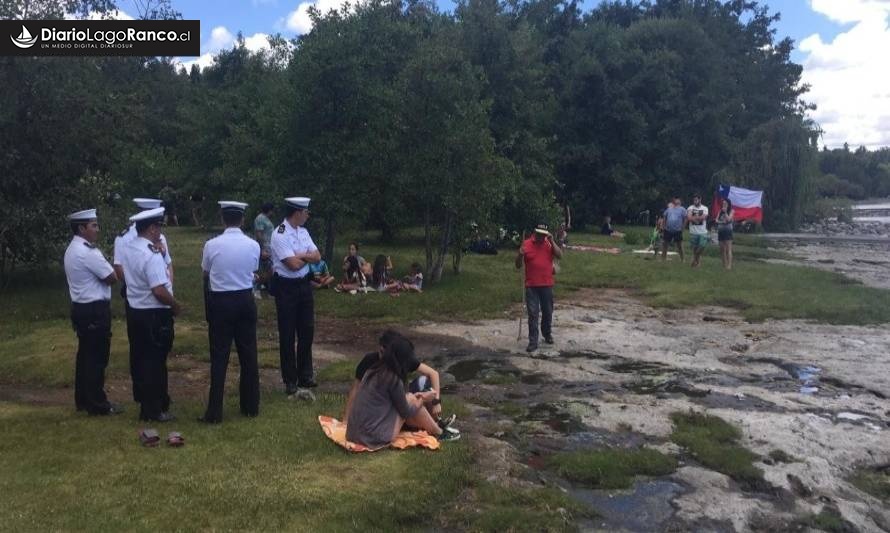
(542, 229)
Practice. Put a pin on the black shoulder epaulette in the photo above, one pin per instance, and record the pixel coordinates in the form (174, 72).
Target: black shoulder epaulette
(89, 244)
(281, 228)
(124, 232)
(153, 248)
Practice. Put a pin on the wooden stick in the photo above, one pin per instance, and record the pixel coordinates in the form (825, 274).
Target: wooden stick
(522, 283)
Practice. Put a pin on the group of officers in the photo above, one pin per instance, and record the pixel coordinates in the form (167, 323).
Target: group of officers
(144, 267)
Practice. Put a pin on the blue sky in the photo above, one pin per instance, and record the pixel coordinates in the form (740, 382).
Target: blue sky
(842, 45)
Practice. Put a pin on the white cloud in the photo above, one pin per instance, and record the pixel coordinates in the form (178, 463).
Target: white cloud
(223, 39)
(220, 37)
(849, 75)
(298, 20)
(116, 14)
(845, 11)
(257, 42)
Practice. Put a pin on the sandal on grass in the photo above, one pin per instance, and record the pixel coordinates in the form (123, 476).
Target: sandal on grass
(175, 439)
(149, 437)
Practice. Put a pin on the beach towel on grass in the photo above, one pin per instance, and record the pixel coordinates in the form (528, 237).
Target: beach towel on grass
(586, 248)
(336, 431)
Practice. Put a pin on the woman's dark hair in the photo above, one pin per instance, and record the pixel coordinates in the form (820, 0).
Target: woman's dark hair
(388, 336)
(267, 207)
(353, 244)
(398, 357)
(728, 204)
(352, 267)
(379, 274)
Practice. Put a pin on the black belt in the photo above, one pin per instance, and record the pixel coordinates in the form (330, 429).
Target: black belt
(282, 279)
(90, 305)
(230, 293)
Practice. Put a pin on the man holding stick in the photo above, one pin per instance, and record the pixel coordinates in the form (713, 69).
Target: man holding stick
(537, 254)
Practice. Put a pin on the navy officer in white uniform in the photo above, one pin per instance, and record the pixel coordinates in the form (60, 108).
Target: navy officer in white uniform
(229, 262)
(292, 252)
(90, 277)
(120, 246)
(152, 308)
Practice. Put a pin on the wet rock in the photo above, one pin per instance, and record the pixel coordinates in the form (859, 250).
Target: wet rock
(798, 487)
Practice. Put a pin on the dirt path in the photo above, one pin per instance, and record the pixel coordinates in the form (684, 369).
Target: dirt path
(620, 368)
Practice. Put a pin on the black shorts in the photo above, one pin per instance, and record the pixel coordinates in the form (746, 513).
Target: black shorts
(673, 236)
(724, 235)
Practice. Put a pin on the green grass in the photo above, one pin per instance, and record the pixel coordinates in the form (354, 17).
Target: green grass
(714, 443)
(828, 519)
(275, 472)
(612, 468)
(873, 481)
(781, 456)
(342, 371)
(497, 508)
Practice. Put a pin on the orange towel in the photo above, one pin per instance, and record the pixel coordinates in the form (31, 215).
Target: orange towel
(336, 431)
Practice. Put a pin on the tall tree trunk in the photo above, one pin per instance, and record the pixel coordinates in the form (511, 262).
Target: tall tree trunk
(456, 257)
(330, 234)
(442, 249)
(428, 240)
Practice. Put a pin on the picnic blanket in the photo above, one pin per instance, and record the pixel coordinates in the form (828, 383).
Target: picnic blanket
(336, 431)
(586, 248)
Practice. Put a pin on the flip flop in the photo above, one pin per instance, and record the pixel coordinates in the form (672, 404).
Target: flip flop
(175, 439)
(149, 437)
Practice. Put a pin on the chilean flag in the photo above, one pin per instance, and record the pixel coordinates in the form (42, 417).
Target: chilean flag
(747, 204)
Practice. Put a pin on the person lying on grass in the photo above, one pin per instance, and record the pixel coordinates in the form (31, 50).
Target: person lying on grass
(378, 405)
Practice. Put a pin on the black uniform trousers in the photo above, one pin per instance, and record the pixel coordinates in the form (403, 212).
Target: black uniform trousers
(151, 336)
(232, 315)
(134, 371)
(295, 307)
(92, 322)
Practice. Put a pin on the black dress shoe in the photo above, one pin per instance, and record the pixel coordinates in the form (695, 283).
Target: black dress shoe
(548, 339)
(290, 388)
(532, 346)
(206, 420)
(165, 417)
(113, 409)
(310, 384)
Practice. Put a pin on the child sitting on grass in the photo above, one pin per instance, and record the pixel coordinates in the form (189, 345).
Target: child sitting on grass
(414, 280)
(380, 277)
(321, 275)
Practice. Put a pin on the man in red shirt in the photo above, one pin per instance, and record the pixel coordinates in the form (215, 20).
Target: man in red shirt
(537, 253)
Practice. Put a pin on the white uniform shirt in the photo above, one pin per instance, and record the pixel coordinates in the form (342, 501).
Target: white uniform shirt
(144, 268)
(121, 241)
(288, 241)
(85, 268)
(699, 228)
(231, 259)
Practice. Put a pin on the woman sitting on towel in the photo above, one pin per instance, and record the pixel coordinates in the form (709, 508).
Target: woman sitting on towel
(381, 404)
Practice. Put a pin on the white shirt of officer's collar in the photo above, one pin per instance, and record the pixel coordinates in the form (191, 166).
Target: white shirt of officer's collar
(231, 259)
(85, 268)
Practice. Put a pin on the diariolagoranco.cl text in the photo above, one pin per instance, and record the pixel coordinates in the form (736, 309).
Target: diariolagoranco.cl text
(112, 36)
